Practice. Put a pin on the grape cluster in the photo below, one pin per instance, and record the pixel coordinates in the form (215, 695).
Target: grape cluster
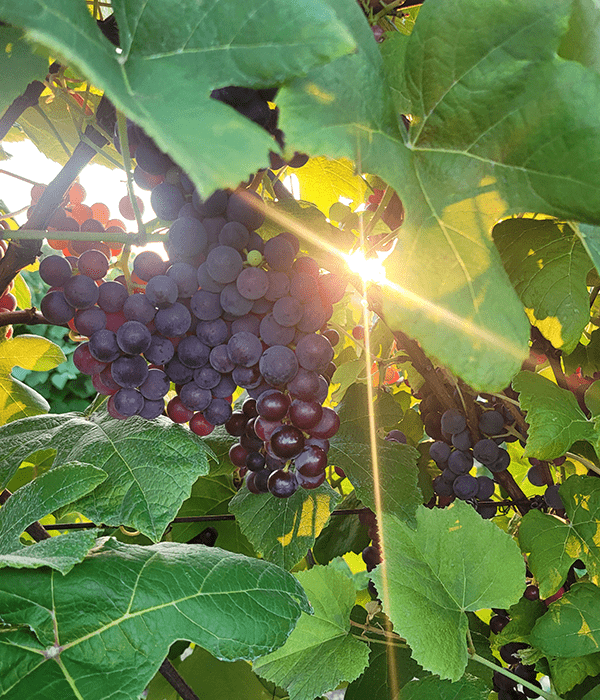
(284, 433)
(227, 310)
(455, 455)
(372, 554)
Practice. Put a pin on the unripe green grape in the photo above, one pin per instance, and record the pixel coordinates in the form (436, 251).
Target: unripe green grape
(254, 258)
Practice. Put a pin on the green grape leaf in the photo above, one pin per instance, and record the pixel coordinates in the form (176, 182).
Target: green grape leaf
(131, 603)
(571, 627)
(236, 680)
(22, 293)
(19, 65)
(467, 688)
(580, 43)
(465, 163)
(30, 352)
(553, 545)
(342, 534)
(166, 43)
(323, 181)
(548, 266)
(567, 673)
(523, 616)
(211, 496)
(220, 442)
(554, 417)
(321, 652)
(282, 529)
(397, 464)
(35, 500)
(151, 465)
(585, 356)
(433, 575)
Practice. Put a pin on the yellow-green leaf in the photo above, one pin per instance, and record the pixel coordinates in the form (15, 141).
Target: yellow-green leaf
(324, 180)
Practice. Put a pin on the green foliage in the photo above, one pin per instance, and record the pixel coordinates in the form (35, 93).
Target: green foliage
(553, 546)
(19, 65)
(281, 530)
(232, 606)
(320, 652)
(135, 494)
(436, 573)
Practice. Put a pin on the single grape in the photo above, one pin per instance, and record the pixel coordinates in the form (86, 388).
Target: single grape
(279, 285)
(85, 362)
(188, 237)
(508, 652)
(486, 487)
(501, 463)
(233, 303)
(312, 461)
(218, 412)
(185, 277)
(166, 200)
(264, 429)
(460, 462)
(88, 321)
(128, 402)
(103, 346)
(453, 422)
(255, 461)
(287, 442)
(273, 405)
(160, 350)
(247, 208)
(224, 388)
(138, 307)
(234, 235)
(195, 398)
(237, 453)
(148, 264)
(278, 365)
(207, 377)
(439, 451)
(465, 486)
(206, 306)
(206, 282)
(252, 283)
(162, 291)
(152, 160)
(487, 510)
(224, 264)
(213, 333)
(254, 258)
(332, 288)
(491, 423)
(462, 441)
(55, 270)
(133, 337)
(177, 412)
(249, 408)
(247, 377)
(314, 317)
(93, 264)
(220, 360)
(486, 451)
(552, 497)
(173, 321)
(532, 592)
(177, 372)
(272, 333)
(200, 426)
(287, 312)
(249, 324)
(498, 623)
(112, 296)
(81, 292)
(535, 477)
(129, 372)
(442, 487)
(192, 352)
(244, 349)
(282, 484)
(328, 425)
(305, 414)
(155, 386)
(304, 386)
(310, 482)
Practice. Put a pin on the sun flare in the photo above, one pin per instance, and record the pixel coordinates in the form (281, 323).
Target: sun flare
(370, 269)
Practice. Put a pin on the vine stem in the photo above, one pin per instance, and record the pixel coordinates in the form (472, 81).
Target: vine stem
(376, 630)
(171, 675)
(584, 461)
(25, 317)
(124, 139)
(505, 672)
(39, 235)
(20, 177)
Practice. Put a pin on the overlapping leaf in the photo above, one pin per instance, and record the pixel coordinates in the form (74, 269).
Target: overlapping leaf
(320, 652)
(467, 688)
(547, 265)
(324, 181)
(104, 629)
(554, 417)
(174, 53)
(282, 529)
(151, 465)
(435, 574)
(34, 501)
(29, 352)
(342, 534)
(489, 101)
(351, 450)
(553, 545)
(19, 65)
(571, 627)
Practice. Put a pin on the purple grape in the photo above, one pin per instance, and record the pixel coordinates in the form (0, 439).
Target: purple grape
(112, 297)
(535, 477)
(439, 451)
(460, 462)
(160, 351)
(167, 200)
(192, 352)
(453, 422)
(133, 337)
(328, 426)
(278, 365)
(232, 302)
(195, 398)
(272, 333)
(224, 264)
(552, 498)
(249, 324)
(162, 291)
(314, 352)
(81, 291)
(314, 317)
(252, 283)
(305, 414)
(213, 333)
(273, 405)
(234, 235)
(103, 346)
(55, 270)
(152, 409)
(282, 484)
(206, 282)
(491, 423)
(218, 412)
(88, 321)
(220, 360)
(224, 388)
(486, 487)
(462, 441)
(244, 349)
(312, 461)
(177, 372)
(442, 487)
(155, 386)
(465, 486)
(302, 286)
(304, 386)
(279, 285)
(501, 463)
(247, 208)
(173, 321)
(129, 372)
(185, 277)
(138, 307)
(206, 377)
(486, 451)
(247, 377)
(128, 402)
(279, 253)
(206, 306)
(148, 264)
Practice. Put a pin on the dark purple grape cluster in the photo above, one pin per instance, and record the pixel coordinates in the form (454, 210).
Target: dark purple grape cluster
(372, 554)
(284, 433)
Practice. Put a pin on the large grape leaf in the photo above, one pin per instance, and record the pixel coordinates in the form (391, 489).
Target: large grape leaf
(571, 627)
(104, 629)
(323, 181)
(554, 417)
(35, 500)
(321, 652)
(553, 545)
(174, 53)
(433, 575)
(151, 465)
(547, 265)
(31, 352)
(397, 464)
(499, 125)
(342, 534)
(467, 688)
(283, 529)
(581, 41)
(19, 65)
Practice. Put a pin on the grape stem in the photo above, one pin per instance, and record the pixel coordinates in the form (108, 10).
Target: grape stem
(377, 630)
(20, 177)
(124, 139)
(171, 675)
(40, 235)
(505, 672)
